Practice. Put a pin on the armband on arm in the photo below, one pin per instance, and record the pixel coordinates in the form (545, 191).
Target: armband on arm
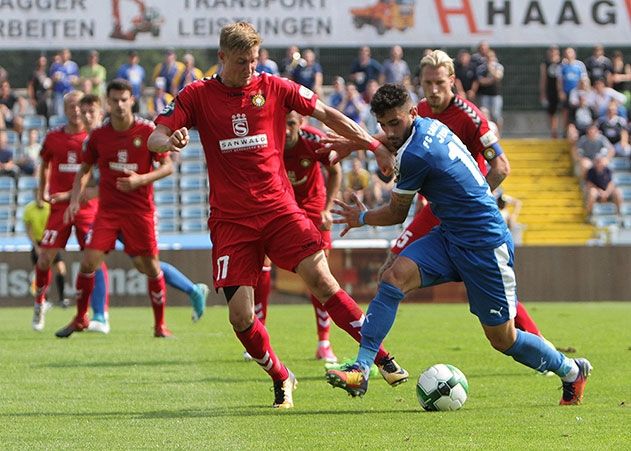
(493, 151)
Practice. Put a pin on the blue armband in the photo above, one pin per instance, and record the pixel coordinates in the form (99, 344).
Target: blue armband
(362, 217)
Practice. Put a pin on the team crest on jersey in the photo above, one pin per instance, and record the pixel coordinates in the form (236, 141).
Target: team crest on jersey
(240, 124)
(137, 141)
(305, 163)
(258, 100)
(72, 157)
(305, 92)
(121, 155)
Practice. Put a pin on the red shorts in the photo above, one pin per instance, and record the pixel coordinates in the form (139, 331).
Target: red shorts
(57, 232)
(316, 218)
(423, 222)
(240, 246)
(138, 231)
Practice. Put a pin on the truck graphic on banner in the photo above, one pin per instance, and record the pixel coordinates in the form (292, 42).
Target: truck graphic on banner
(385, 15)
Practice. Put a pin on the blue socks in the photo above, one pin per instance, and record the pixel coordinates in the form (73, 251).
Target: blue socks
(97, 299)
(173, 277)
(379, 320)
(532, 351)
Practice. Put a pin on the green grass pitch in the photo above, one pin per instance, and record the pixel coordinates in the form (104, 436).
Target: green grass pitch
(129, 390)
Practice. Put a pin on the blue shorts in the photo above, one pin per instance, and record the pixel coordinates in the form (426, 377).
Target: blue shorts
(487, 274)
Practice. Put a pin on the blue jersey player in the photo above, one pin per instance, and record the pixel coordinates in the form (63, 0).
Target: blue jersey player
(472, 244)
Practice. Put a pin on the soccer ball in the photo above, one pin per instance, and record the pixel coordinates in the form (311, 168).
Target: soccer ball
(442, 387)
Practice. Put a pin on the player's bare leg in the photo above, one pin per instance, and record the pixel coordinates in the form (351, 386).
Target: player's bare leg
(255, 339)
(344, 311)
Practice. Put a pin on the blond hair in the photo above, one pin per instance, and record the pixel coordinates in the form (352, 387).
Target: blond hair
(436, 59)
(73, 95)
(239, 37)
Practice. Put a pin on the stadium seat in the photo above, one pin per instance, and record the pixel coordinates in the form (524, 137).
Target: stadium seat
(165, 197)
(194, 151)
(626, 192)
(13, 138)
(26, 182)
(622, 178)
(34, 121)
(19, 213)
(605, 220)
(24, 197)
(7, 184)
(56, 121)
(193, 225)
(193, 197)
(193, 135)
(167, 212)
(192, 168)
(607, 208)
(5, 227)
(6, 212)
(6, 197)
(189, 212)
(620, 163)
(20, 227)
(167, 183)
(167, 226)
(192, 182)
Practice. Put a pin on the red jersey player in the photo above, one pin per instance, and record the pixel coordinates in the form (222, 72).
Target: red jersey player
(240, 116)
(126, 207)
(61, 159)
(315, 197)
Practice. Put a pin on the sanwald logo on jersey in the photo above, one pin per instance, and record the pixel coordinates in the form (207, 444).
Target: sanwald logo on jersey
(69, 167)
(123, 166)
(245, 143)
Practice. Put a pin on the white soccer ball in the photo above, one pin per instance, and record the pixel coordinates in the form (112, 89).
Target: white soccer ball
(442, 387)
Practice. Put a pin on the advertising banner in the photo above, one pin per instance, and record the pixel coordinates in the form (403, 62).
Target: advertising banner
(49, 24)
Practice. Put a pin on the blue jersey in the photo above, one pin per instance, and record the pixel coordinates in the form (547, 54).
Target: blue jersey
(434, 162)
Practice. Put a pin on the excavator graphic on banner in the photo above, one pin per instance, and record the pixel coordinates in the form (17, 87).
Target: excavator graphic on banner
(385, 15)
(148, 20)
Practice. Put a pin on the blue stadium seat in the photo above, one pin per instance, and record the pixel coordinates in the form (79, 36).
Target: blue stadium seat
(20, 227)
(192, 168)
(167, 183)
(193, 225)
(167, 226)
(620, 163)
(6, 197)
(626, 192)
(194, 151)
(165, 198)
(193, 197)
(6, 184)
(193, 135)
(27, 182)
(5, 227)
(607, 208)
(605, 220)
(34, 121)
(57, 120)
(191, 212)
(622, 178)
(6, 212)
(13, 138)
(19, 213)
(167, 212)
(626, 209)
(192, 182)
(24, 197)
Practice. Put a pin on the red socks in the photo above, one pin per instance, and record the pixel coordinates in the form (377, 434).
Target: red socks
(42, 280)
(255, 340)
(524, 322)
(157, 294)
(323, 320)
(347, 315)
(262, 293)
(85, 285)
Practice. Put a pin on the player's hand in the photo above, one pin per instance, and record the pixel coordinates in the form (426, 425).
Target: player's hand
(71, 212)
(342, 147)
(130, 182)
(179, 139)
(327, 220)
(349, 213)
(62, 196)
(385, 160)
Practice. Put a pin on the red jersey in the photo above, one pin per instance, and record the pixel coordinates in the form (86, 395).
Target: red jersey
(242, 131)
(469, 124)
(304, 172)
(114, 151)
(62, 151)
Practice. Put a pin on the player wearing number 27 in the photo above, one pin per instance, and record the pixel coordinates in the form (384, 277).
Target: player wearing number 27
(240, 116)
(472, 245)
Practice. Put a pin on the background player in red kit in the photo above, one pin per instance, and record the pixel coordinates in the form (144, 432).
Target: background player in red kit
(315, 196)
(126, 207)
(61, 159)
(240, 116)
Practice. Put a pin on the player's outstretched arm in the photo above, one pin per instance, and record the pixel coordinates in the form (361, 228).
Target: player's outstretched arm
(333, 184)
(500, 168)
(162, 139)
(78, 186)
(133, 180)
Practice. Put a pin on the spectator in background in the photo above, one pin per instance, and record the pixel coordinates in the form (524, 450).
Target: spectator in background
(85, 86)
(620, 77)
(29, 155)
(39, 87)
(365, 68)
(65, 76)
(481, 55)
(134, 73)
(12, 108)
(168, 69)
(339, 90)
(309, 72)
(160, 99)
(94, 72)
(7, 166)
(352, 104)
(266, 64)
(357, 181)
(368, 119)
(509, 207)
(550, 87)
(588, 147)
(600, 187)
(465, 74)
(291, 60)
(187, 76)
(4, 75)
(582, 116)
(601, 96)
(395, 69)
(614, 128)
(572, 72)
(213, 69)
(487, 86)
(598, 65)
